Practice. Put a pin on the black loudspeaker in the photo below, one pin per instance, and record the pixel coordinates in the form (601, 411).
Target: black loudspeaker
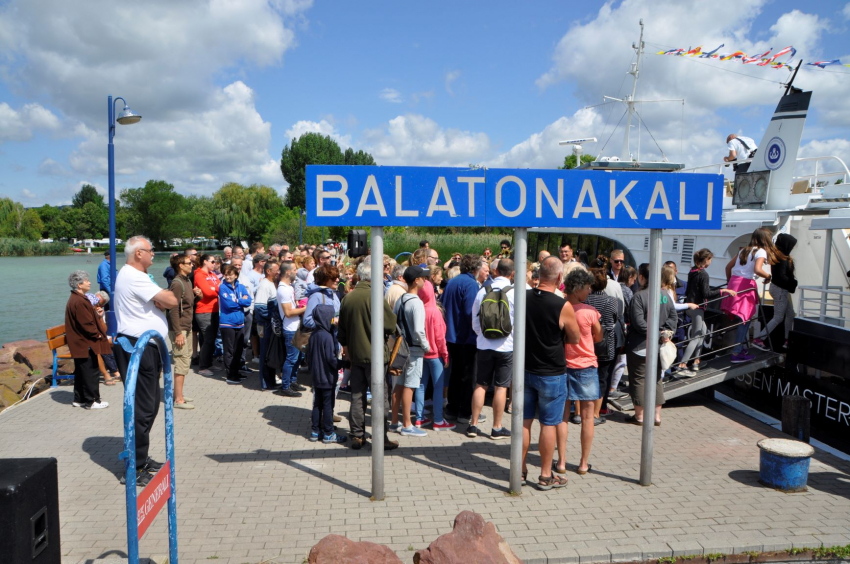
(357, 243)
(29, 511)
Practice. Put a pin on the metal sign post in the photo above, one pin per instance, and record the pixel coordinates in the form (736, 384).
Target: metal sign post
(518, 393)
(378, 372)
(143, 508)
(652, 327)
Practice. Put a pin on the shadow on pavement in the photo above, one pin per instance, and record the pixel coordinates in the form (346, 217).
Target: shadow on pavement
(104, 452)
(832, 483)
(65, 397)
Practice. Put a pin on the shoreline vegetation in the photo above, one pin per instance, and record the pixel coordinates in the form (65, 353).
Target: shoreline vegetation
(16, 247)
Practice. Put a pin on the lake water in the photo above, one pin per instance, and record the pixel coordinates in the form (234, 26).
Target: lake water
(37, 291)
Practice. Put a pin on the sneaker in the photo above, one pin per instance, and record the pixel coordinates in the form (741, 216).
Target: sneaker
(412, 432)
(297, 387)
(473, 431)
(233, 382)
(314, 437)
(575, 419)
(184, 405)
(742, 357)
(143, 478)
(443, 426)
(394, 427)
(152, 465)
(598, 421)
(277, 380)
(334, 439)
(288, 393)
(616, 394)
(604, 411)
(98, 405)
(502, 433)
(761, 345)
(205, 372)
(422, 423)
(77, 404)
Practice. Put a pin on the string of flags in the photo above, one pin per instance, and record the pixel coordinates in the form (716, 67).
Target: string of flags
(762, 60)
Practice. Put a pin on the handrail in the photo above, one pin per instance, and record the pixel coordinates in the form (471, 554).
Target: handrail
(129, 453)
(846, 172)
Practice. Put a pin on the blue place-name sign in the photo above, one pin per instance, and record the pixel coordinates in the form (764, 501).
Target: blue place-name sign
(461, 197)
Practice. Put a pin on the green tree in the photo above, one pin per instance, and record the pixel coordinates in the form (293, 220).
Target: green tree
(570, 161)
(284, 229)
(310, 148)
(48, 215)
(152, 211)
(244, 212)
(16, 221)
(358, 158)
(87, 193)
(196, 219)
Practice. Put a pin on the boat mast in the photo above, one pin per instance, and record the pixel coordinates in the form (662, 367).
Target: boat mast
(630, 100)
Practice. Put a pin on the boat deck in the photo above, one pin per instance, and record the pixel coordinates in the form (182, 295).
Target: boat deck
(713, 372)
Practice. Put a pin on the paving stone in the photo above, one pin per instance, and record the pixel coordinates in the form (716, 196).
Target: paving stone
(250, 486)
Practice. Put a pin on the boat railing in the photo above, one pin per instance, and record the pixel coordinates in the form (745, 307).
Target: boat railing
(829, 305)
(814, 179)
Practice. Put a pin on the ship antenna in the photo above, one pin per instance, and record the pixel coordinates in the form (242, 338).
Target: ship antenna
(630, 101)
(789, 88)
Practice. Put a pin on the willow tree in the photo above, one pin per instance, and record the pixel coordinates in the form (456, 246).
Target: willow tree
(244, 213)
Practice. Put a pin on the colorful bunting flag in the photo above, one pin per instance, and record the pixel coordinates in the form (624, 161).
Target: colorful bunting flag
(763, 60)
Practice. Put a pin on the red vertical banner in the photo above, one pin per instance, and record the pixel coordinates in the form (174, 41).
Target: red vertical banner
(152, 499)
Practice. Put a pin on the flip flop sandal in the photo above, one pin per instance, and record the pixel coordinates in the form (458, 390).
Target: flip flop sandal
(546, 484)
(558, 470)
(589, 468)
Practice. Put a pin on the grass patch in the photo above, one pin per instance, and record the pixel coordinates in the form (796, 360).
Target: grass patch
(714, 556)
(25, 248)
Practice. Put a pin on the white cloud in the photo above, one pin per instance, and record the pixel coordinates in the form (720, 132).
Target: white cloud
(50, 167)
(390, 95)
(18, 125)
(166, 59)
(227, 142)
(27, 195)
(824, 148)
(416, 140)
(451, 77)
(324, 127)
(714, 98)
(846, 11)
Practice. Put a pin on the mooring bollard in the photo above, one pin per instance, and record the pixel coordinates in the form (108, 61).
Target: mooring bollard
(796, 417)
(784, 464)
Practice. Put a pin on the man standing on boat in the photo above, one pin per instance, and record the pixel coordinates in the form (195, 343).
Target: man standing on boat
(740, 148)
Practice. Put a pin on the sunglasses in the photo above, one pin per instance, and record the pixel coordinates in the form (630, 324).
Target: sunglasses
(618, 261)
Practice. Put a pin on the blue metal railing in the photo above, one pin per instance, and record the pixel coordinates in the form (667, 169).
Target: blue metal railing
(129, 453)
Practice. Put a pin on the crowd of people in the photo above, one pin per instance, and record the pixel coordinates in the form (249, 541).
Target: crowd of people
(279, 310)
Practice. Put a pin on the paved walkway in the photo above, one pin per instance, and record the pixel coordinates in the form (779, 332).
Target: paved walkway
(252, 489)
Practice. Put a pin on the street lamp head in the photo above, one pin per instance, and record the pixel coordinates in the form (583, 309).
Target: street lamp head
(127, 116)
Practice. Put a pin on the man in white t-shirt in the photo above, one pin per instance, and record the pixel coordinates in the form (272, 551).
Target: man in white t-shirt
(740, 148)
(139, 307)
(291, 316)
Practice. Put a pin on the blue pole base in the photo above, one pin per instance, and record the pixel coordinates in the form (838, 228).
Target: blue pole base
(784, 464)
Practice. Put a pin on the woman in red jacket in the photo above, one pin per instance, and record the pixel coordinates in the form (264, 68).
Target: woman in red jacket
(206, 312)
(435, 362)
(85, 334)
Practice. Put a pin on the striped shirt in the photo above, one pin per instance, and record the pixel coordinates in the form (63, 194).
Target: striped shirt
(607, 308)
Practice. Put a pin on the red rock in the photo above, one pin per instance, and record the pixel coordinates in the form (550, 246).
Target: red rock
(472, 541)
(37, 356)
(336, 549)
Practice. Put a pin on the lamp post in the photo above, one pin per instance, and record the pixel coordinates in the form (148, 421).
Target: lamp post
(126, 117)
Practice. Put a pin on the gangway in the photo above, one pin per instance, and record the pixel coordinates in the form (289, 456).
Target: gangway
(713, 372)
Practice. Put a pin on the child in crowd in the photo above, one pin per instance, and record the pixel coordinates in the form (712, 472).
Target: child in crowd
(699, 291)
(324, 367)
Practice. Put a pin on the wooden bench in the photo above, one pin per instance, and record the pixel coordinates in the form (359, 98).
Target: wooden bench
(56, 340)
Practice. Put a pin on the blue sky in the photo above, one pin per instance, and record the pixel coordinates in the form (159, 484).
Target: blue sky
(223, 87)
